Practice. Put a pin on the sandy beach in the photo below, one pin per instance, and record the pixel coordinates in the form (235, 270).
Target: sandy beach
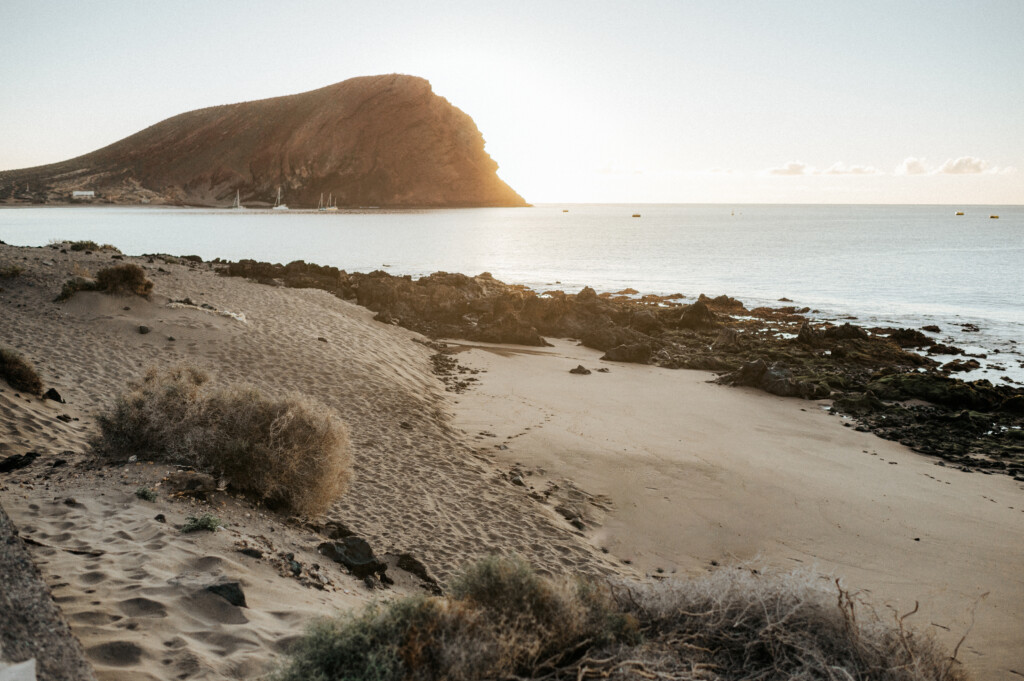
(691, 474)
(633, 471)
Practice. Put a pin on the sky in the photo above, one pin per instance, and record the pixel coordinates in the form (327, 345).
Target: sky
(705, 101)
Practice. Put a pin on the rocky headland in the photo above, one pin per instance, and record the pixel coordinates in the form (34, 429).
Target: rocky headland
(882, 379)
(373, 141)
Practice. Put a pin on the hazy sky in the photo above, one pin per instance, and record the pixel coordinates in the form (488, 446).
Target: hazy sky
(892, 101)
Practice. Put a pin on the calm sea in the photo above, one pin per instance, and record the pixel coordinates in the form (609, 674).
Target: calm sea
(891, 265)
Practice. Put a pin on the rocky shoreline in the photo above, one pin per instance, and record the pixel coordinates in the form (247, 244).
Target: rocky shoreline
(873, 376)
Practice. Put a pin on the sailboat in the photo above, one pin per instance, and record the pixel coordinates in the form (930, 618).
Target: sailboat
(279, 205)
(238, 201)
(330, 205)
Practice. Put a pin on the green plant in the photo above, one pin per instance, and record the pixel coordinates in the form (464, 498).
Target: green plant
(290, 452)
(146, 494)
(19, 373)
(206, 522)
(73, 286)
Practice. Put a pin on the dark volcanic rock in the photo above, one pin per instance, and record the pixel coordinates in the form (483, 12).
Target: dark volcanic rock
(638, 353)
(698, 316)
(846, 331)
(355, 554)
(412, 565)
(958, 365)
(580, 369)
(230, 591)
(17, 461)
(775, 379)
(809, 336)
(374, 141)
(727, 340)
(52, 394)
(909, 338)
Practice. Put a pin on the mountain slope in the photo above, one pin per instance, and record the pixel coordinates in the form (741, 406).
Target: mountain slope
(370, 141)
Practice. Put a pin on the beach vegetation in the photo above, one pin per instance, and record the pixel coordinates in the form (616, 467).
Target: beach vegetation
(89, 245)
(288, 452)
(73, 286)
(207, 522)
(146, 494)
(19, 372)
(125, 279)
(501, 620)
(11, 271)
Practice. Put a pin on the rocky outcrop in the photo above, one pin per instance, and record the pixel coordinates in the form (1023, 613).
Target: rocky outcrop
(372, 141)
(898, 394)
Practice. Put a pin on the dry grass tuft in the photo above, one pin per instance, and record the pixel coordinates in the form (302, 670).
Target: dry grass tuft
(291, 453)
(503, 621)
(126, 279)
(743, 623)
(19, 372)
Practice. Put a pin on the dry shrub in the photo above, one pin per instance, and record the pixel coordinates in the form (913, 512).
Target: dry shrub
(291, 452)
(503, 621)
(11, 271)
(19, 373)
(745, 623)
(294, 451)
(127, 279)
(90, 245)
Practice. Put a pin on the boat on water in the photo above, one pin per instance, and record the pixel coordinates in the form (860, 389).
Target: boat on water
(278, 205)
(959, 212)
(237, 205)
(330, 205)
(993, 217)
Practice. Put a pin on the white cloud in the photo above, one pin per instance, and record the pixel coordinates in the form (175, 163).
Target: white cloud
(791, 168)
(912, 166)
(965, 165)
(794, 168)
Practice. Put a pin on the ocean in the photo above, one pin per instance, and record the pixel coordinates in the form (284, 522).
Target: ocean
(905, 266)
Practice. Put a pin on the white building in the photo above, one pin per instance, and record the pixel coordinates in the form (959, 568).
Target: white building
(83, 195)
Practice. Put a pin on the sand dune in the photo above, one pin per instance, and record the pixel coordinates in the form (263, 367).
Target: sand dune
(131, 586)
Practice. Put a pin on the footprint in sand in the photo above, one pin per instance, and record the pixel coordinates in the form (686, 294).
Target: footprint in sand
(142, 607)
(115, 653)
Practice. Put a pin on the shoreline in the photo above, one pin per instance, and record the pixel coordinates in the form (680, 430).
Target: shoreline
(426, 489)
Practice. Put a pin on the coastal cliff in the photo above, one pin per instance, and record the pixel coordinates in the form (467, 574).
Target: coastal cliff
(372, 141)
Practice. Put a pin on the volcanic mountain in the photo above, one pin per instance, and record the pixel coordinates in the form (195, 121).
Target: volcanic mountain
(371, 141)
